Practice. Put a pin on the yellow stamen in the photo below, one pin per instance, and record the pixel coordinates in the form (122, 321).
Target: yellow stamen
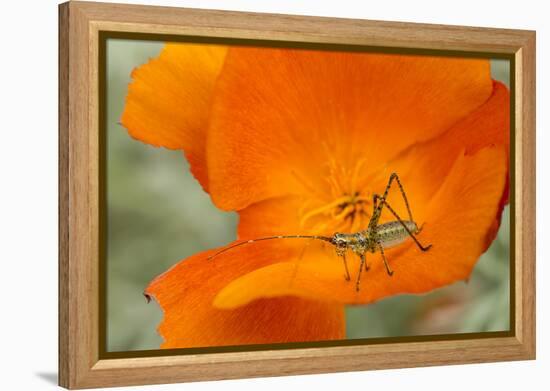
(349, 198)
(323, 209)
(348, 209)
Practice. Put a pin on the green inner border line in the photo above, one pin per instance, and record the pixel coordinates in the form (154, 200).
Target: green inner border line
(103, 234)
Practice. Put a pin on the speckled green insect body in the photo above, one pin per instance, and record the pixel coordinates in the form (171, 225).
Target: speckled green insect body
(386, 235)
(376, 237)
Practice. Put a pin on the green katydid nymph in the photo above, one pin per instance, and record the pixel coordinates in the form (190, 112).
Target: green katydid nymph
(376, 237)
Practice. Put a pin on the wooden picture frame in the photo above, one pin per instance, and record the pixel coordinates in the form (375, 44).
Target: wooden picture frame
(81, 363)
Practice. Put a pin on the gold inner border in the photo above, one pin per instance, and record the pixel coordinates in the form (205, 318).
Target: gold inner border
(104, 36)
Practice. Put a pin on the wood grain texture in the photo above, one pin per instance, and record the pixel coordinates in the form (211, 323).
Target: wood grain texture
(79, 362)
(63, 221)
(526, 189)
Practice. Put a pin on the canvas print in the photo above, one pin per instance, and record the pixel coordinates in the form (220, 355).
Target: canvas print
(263, 195)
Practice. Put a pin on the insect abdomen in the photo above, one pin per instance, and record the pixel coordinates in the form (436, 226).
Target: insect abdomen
(393, 233)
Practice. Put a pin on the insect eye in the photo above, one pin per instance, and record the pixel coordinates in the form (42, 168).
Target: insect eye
(340, 241)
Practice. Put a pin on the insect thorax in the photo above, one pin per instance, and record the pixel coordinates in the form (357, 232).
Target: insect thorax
(358, 242)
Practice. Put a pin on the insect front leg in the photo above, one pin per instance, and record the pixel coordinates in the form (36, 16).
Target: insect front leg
(358, 282)
(348, 277)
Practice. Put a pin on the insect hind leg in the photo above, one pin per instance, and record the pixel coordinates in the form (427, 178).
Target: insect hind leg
(358, 281)
(395, 177)
(383, 202)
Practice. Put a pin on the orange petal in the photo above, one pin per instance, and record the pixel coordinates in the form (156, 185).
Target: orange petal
(424, 167)
(489, 125)
(275, 216)
(457, 220)
(168, 101)
(186, 292)
(282, 114)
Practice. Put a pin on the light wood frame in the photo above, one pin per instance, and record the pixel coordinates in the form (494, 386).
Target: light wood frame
(80, 365)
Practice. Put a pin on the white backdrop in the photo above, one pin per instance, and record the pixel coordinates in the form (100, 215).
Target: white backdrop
(28, 196)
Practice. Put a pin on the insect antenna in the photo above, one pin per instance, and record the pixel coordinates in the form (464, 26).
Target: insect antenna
(323, 238)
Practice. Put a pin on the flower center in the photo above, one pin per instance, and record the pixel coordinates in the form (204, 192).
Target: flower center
(347, 213)
(352, 207)
(342, 206)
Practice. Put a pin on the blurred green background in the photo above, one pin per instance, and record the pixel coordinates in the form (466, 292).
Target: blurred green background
(157, 214)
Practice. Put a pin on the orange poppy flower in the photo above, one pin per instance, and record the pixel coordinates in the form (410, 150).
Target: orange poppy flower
(297, 142)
